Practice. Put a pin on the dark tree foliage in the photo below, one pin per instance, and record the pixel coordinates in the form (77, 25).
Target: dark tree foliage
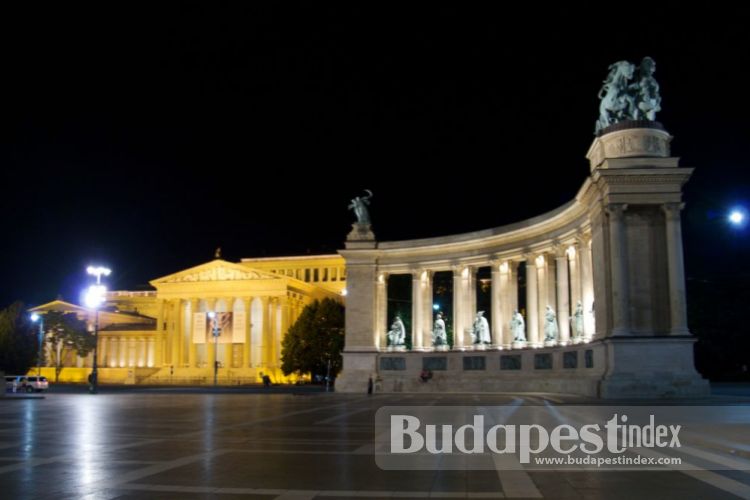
(66, 336)
(18, 342)
(316, 338)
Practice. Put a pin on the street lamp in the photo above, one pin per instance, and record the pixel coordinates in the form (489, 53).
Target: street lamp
(36, 317)
(94, 298)
(216, 331)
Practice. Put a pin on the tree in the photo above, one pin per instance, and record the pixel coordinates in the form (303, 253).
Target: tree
(18, 344)
(316, 338)
(65, 335)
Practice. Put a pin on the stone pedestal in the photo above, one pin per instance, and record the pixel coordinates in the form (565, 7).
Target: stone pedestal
(652, 368)
(518, 344)
(357, 368)
(550, 343)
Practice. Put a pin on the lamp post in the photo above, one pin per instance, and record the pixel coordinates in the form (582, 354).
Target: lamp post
(36, 317)
(216, 331)
(95, 297)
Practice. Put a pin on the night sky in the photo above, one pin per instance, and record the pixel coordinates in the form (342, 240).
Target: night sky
(143, 137)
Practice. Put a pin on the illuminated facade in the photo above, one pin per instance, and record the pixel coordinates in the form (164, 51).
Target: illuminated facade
(165, 335)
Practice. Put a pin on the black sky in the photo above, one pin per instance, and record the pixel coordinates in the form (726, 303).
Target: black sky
(144, 136)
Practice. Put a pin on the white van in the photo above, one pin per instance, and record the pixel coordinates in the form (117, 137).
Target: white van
(26, 383)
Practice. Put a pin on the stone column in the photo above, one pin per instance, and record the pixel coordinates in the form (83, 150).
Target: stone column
(193, 347)
(619, 269)
(140, 352)
(563, 298)
(229, 348)
(587, 284)
(282, 327)
(471, 295)
(426, 312)
(458, 316)
(676, 270)
(248, 303)
(574, 254)
(417, 308)
(543, 286)
(381, 313)
(176, 332)
(103, 354)
(150, 353)
(161, 319)
(532, 304)
(112, 361)
(210, 345)
(123, 351)
(510, 298)
(499, 289)
(268, 322)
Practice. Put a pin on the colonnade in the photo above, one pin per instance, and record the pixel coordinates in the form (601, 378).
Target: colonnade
(559, 277)
(263, 320)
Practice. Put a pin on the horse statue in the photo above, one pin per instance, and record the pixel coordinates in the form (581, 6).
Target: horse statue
(616, 101)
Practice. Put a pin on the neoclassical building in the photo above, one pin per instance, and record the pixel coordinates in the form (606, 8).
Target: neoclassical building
(616, 249)
(166, 335)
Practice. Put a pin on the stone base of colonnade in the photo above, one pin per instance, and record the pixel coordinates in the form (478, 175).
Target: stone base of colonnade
(599, 369)
(651, 368)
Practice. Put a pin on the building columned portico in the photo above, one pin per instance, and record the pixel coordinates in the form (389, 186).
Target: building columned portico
(164, 335)
(606, 269)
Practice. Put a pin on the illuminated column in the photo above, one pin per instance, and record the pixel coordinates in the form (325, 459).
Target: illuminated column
(132, 352)
(248, 302)
(229, 347)
(676, 270)
(150, 355)
(161, 319)
(499, 289)
(563, 298)
(619, 269)
(176, 332)
(268, 330)
(574, 255)
(192, 346)
(103, 354)
(210, 347)
(587, 284)
(542, 293)
(417, 306)
(140, 352)
(381, 320)
(510, 300)
(282, 325)
(532, 306)
(113, 353)
(123, 352)
(459, 316)
(427, 312)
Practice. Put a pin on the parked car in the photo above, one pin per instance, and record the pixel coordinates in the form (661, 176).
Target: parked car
(26, 383)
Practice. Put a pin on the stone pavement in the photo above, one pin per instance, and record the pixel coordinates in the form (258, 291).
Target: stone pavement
(172, 445)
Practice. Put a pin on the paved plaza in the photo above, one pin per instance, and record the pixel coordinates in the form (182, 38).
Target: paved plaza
(172, 444)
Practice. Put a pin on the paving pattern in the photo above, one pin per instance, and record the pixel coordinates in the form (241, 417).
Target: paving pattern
(190, 445)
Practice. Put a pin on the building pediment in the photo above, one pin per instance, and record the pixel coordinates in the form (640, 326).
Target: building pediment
(216, 270)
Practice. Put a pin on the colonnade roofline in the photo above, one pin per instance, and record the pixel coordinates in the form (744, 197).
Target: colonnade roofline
(559, 228)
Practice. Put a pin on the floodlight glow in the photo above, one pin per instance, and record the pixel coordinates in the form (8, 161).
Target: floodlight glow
(95, 296)
(736, 217)
(436, 307)
(35, 317)
(98, 271)
(211, 314)
(344, 292)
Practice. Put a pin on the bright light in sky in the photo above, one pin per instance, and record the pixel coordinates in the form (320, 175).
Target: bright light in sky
(436, 307)
(736, 217)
